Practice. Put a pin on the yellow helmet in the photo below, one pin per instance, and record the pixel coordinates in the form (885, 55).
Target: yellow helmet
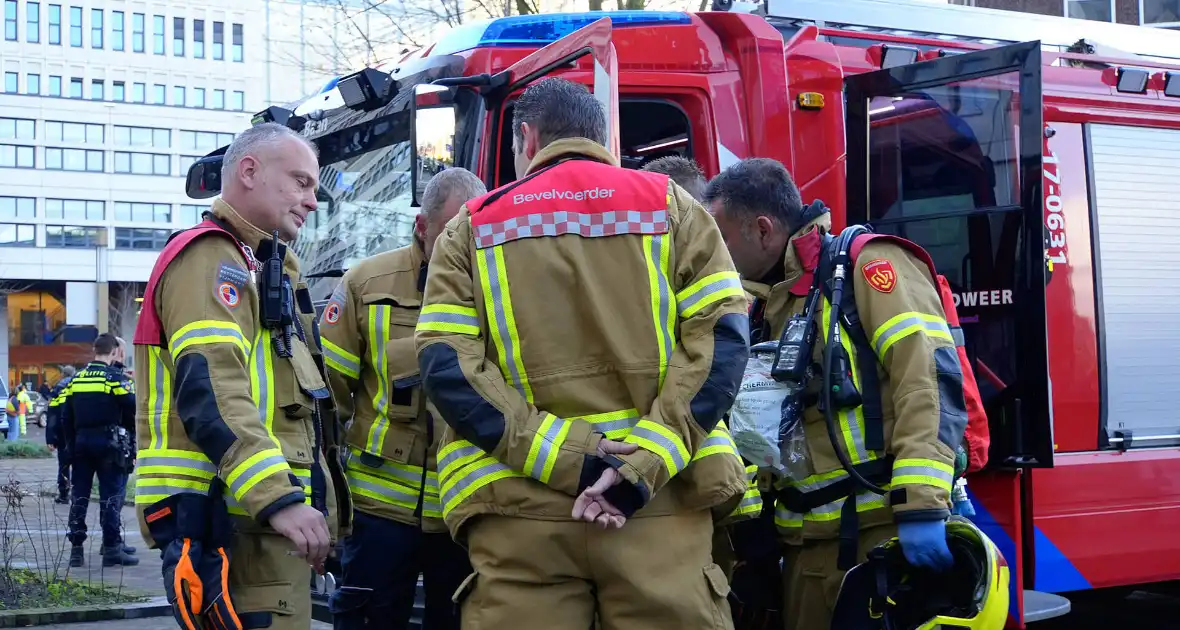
(886, 592)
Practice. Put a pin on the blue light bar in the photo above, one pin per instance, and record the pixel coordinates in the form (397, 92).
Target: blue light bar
(534, 30)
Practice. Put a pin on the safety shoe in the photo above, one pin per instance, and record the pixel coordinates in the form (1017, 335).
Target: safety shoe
(77, 556)
(119, 557)
(62, 500)
(126, 549)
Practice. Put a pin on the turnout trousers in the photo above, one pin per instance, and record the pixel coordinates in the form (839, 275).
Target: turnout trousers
(655, 573)
(381, 562)
(811, 580)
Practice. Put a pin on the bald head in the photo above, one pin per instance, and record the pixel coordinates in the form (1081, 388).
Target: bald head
(445, 194)
(269, 175)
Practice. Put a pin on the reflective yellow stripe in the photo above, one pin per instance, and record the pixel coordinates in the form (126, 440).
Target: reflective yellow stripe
(614, 425)
(341, 360)
(208, 331)
(545, 447)
(493, 277)
(657, 254)
(923, 472)
(169, 461)
(431, 503)
(903, 325)
(159, 403)
(251, 472)
(449, 318)
(149, 490)
(707, 290)
(752, 500)
(463, 468)
(852, 421)
(719, 441)
(662, 441)
(262, 386)
(865, 501)
(378, 338)
(381, 489)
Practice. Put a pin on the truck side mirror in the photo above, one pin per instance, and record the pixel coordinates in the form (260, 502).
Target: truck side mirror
(433, 133)
(204, 177)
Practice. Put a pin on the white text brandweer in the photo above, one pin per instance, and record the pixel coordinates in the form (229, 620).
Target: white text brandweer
(565, 195)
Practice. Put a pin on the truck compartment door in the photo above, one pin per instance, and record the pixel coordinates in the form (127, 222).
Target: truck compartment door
(592, 40)
(947, 153)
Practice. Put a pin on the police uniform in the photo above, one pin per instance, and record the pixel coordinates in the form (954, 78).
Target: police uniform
(96, 405)
(368, 331)
(229, 405)
(548, 325)
(921, 422)
(54, 436)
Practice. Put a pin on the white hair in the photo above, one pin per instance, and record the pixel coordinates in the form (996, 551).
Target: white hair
(249, 141)
(447, 184)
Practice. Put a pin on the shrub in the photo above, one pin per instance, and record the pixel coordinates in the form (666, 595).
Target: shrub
(24, 449)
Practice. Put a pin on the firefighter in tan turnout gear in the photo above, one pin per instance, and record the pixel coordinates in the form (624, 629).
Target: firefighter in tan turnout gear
(776, 244)
(235, 425)
(582, 334)
(368, 330)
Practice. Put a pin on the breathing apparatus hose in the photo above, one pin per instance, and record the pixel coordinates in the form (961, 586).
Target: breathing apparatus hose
(842, 244)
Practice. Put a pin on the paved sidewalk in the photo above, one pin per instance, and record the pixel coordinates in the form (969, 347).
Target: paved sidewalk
(156, 623)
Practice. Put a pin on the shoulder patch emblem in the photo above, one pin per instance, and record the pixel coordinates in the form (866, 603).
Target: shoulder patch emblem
(880, 275)
(332, 313)
(233, 274)
(228, 294)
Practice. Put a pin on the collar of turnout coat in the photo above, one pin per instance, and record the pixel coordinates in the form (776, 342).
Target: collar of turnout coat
(571, 147)
(792, 266)
(251, 235)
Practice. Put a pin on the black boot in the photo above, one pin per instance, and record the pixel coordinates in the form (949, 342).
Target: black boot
(126, 549)
(77, 556)
(62, 500)
(118, 556)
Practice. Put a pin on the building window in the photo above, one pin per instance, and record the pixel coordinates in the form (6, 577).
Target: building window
(17, 235)
(75, 209)
(218, 99)
(190, 214)
(11, 82)
(1097, 10)
(178, 36)
(199, 39)
(74, 133)
(143, 137)
(198, 97)
(55, 24)
(204, 140)
(73, 160)
(12, 156)
(137, 32)
(75, 88)
(138, 93)
(33, 22)
(96, 90)
(10, 20)
(73, 236)
(218, 41)
(96, 28)
(18, 129)
(239, 43)
(116, 30)
(158, 34)
(142, 164)
(178, 95)
(32, 84)
(159, 92)
(143, 212)
(141, 238)
(238, 101)
(76, 27)
(118, 91)
(54, 85)
(18, 208)
(1161, 12)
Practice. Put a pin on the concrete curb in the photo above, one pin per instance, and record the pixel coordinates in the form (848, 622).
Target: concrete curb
(154, 607)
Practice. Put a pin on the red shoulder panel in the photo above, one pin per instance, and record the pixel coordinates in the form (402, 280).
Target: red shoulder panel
(859, 243)
(149, 330)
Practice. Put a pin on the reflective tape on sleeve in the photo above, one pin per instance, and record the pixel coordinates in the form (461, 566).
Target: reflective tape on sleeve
(449, 318)
(707, 290)
(341, 360)
(903, 325)
(254, 469)
(923, 472)
(546, 445)
(204, 332)
(663, 442)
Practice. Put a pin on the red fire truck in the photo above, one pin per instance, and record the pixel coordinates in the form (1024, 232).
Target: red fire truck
(1035, 158)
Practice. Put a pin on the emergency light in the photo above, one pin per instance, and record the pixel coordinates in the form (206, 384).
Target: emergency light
(1132, 80)
(533, 30)
(1171, 84)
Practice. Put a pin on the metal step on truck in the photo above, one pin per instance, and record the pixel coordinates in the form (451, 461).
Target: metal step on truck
(1037, 159)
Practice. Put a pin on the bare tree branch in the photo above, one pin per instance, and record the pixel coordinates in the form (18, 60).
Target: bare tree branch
(8, 287)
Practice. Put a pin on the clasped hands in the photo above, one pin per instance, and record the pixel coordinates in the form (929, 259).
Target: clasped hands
(591, 506)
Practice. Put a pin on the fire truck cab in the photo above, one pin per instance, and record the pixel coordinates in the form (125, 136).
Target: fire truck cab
(1037, 160)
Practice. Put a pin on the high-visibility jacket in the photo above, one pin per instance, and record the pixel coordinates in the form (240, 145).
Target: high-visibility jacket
(215, 396)
(583, 301)
(368, 333)
(901, 315)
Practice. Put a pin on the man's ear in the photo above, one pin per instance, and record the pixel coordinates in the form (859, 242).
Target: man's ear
(420, 226)
(247, 171)
(532, 145)
(766, 229)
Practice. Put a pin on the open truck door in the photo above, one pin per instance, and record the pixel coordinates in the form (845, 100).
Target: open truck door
(947, 153)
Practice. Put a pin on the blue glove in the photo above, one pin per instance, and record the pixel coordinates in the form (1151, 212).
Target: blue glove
(963, 507)
(924, 544)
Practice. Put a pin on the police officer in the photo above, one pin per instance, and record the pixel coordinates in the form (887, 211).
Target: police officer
(235, 420)
(582, 334)
(54, 437)
(125, 456)
(96, 406)
(368, 329)
(775, 242)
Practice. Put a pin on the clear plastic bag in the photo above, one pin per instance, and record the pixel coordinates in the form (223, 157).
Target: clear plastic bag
(756, 420)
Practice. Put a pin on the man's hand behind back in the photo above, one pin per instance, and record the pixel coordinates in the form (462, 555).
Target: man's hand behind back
(591, 506)
(307, 528)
